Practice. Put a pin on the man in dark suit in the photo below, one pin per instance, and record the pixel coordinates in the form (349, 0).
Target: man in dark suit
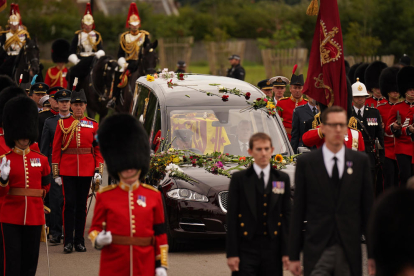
(258, 215)
(240, 145)
(55, 194)
(333, 193)
(301, 114)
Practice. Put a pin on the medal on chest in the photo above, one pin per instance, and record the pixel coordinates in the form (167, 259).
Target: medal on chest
(278, 187)
(87, 124)
(35, 162)
(349, 169)
(142, 201)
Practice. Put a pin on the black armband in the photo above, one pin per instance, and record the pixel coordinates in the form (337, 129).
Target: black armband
(159, 229)
(46, 180)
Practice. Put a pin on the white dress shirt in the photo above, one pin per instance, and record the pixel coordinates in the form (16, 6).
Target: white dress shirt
(330, 162)
(266, 172)
(362, 110)
(241, 145)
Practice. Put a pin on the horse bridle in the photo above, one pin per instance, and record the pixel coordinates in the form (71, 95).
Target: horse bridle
(28, 63)
(102, 97)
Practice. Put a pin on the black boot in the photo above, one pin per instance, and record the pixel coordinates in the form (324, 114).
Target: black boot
(80, 247)
(55, 240)
(68, 248)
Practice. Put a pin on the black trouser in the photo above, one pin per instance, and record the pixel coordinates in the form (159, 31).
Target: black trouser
(390, 169)
(21, 248)
(260, 256)
(377, 176)
(56, 206)
(75, 192)
(404, 167)
(332, 262)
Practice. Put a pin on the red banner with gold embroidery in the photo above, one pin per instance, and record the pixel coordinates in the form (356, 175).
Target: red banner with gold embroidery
(326, 80)
(3, 5)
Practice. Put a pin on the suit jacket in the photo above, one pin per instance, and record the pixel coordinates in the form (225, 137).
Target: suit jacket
(301, 114)
(242, 210)
(314, 202)
(48, 134)
(43, 115)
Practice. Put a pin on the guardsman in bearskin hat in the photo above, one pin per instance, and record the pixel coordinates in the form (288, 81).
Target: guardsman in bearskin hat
(56, 76)
(288, 104)
(86, 44)
(76, 159)
(351, 72)
(368, 122)
(389, 90)
(137, 225)
(372, 79)
(129, 48)
(6, 81)
(279, 87)
(360, 73)
(12, 40)
(400, 123)
(54, 109)
(62, 96)
(267, 88)
(37, 91)
(26, 175)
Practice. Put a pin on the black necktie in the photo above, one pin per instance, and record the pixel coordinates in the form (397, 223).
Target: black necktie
(335, 177)
(314, 111)
(262, 179)
(359, 113)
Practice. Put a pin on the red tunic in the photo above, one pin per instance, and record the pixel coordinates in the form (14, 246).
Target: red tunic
(82, 156)
(371, 100)
(403, 144)
(55, 77)
(288, 104)
(118, 206)
(389, 143)
(27, 168)
(314, 138)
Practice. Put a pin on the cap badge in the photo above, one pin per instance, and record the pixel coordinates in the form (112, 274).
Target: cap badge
(360, 88)
(64, 94)
(40, 86)
(268, 83)
(279, 80)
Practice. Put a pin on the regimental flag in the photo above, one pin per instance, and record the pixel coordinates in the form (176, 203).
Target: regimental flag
(3, 5)
(326, 81)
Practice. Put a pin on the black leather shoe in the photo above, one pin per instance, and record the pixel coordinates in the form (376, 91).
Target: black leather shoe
(55, 239)
(80, 248)
(68, 248)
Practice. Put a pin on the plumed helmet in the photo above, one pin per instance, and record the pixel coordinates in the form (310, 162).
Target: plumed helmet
(388, 81)
(6, 81)
(405, 79)
(8, 94)
(124, 144)
(60, 50)
(20, 120)
(373, 73)
(391, 229)
(351, 73)
(360, 73)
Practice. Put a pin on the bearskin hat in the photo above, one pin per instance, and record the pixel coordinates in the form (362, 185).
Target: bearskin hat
(124, 144)
(391, 229)
(388, 81)
(60, 50)
(372, 74)
(405, 79)
(6, 81)
(20, 120)
(351, 73)
(8, 94)
(360, 73)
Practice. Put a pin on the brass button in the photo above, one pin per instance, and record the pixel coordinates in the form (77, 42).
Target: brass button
(265, 204)
(239, 215)
(133, 226)
(133, 216)
(265, 233)
(264, 223)
(245, 233)
(132, 207)
(281, 215)
(279, 224)
(242, 224)
(275, 233)
(264, 214)
(133, 231)
(27, 186)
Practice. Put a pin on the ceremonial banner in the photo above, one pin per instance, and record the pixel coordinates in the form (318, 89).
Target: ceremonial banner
(326, 80)
(3, 5)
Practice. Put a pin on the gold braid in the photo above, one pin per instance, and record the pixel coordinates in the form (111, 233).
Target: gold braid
(93, 44)
(66, 131)
(15, 39)
(133, 47)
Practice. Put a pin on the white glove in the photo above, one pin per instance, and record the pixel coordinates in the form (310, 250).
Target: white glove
(160, 271)
(99, 54)
(58, 181)
(97, 177)
(103, 239)
(5, 168)
(73, 58)
(122, 62)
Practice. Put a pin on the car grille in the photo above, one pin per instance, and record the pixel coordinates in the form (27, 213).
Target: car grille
(223, 197)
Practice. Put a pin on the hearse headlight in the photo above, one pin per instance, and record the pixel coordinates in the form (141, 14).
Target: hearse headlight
(186, 195)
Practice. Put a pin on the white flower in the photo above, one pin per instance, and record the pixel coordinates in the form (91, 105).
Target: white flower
(283, 161)
(165, 70)
(221, 88)
(171, 74)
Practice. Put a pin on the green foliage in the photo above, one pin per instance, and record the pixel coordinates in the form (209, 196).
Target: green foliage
(285, 37)
(358, 43)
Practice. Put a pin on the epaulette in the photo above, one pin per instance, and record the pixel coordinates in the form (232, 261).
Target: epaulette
(306, 100)
(38, 152)
(43, 111)
(97, 33)
(107, 188)
(1, 157)
(316, 121)
(144, 32)
(150, 187)
(78, 31)
(92, 119)
(125, 33)
(353, 123)
(284, 98)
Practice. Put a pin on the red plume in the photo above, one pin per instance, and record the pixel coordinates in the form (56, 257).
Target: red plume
(11, 8)
(88, 9)
(17, 12)
(132, 10)
(294, 69)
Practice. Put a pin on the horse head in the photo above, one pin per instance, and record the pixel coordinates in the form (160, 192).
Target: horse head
(31, 56)
(148, 58)
(104, 76)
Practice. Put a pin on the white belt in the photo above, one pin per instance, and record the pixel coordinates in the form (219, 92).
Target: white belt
(13, 53)
(86, 54)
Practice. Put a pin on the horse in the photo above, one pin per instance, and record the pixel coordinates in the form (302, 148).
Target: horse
(147, 63)
(27, 64)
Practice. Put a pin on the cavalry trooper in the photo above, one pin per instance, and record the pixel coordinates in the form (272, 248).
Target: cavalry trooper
(76, 159)
(369, 123)
(279, 87)
(36, 92)
(12, 40)
(52, 111)
(56, 75)
(372, 79)
(132, 233)
(26, 175)
(400, 123)
(288, 104)
(389, 89)
(62, 97)
(86, 44)
(129, 48)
